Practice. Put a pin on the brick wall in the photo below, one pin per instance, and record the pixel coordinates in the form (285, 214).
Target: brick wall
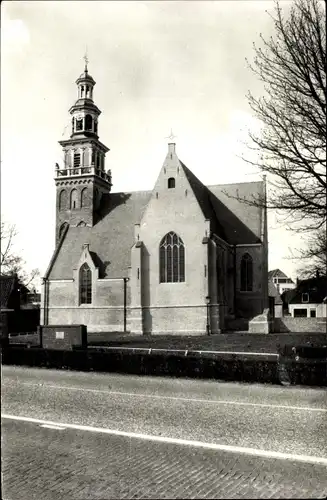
(250, 304)
(63, 337)
(106, 313)
(79, 214)
(288, 324)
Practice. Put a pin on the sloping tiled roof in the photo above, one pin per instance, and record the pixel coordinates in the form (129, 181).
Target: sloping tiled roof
(203, 197)
(315, 287)
(233, 220)
(276, 273)
(7, 284)
(241, 222)
(110, 239)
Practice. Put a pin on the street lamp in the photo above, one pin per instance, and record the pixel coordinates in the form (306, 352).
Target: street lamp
(208, 318)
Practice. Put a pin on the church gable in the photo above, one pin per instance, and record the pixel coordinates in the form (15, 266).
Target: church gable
(87, 258)
(173, 195)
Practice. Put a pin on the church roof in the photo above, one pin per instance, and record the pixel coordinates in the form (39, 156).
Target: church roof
(112, 237)
(231, 219)
(241, 222)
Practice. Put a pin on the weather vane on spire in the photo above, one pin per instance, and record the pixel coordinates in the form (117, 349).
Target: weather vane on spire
(86, 59)
(171, 137)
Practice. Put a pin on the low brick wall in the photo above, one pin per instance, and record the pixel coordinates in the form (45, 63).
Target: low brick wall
(309, 325)
(228, 366)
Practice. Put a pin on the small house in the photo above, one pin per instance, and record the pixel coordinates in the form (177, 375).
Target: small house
(308, 299)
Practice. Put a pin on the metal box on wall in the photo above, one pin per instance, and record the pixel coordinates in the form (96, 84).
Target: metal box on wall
(63, 337)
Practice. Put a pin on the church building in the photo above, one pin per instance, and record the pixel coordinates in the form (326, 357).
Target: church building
(184, 258)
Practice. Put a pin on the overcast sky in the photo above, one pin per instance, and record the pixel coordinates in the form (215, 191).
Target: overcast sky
(158, 65)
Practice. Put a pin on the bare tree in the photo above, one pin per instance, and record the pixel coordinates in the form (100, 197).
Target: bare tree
(291, 145)
(314, 258)
(11, 263)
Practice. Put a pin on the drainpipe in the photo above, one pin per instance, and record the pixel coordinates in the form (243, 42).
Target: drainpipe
(234, 277)
(125, 304)
(45, 302)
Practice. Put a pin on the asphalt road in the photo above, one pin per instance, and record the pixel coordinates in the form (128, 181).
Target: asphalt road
(116, 436)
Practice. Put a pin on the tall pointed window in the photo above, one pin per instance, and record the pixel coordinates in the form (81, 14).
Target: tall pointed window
(246, 273)
(85, 284)
(172, 259)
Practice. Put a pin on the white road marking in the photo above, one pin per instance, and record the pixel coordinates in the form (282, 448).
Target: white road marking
(155, 349)
(51, 426)
(183, 442)
(175, 398)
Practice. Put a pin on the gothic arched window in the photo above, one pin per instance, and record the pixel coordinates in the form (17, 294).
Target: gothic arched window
(73, 199)
(85, 284)
(63, 200)
(84, 197)
(88, 122)
(171, 182)
(172, 259)
(246, 273)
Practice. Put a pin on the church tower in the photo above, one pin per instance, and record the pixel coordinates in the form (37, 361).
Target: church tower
(82, 180)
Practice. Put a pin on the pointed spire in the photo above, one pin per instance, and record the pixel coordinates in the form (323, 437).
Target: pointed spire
(171, 143)
(86, 59)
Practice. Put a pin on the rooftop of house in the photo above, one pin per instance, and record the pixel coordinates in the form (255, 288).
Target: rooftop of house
(315, 287)
(276, 273)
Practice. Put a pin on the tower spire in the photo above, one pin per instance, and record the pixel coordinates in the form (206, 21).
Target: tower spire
(86, 60)
(82, 180)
